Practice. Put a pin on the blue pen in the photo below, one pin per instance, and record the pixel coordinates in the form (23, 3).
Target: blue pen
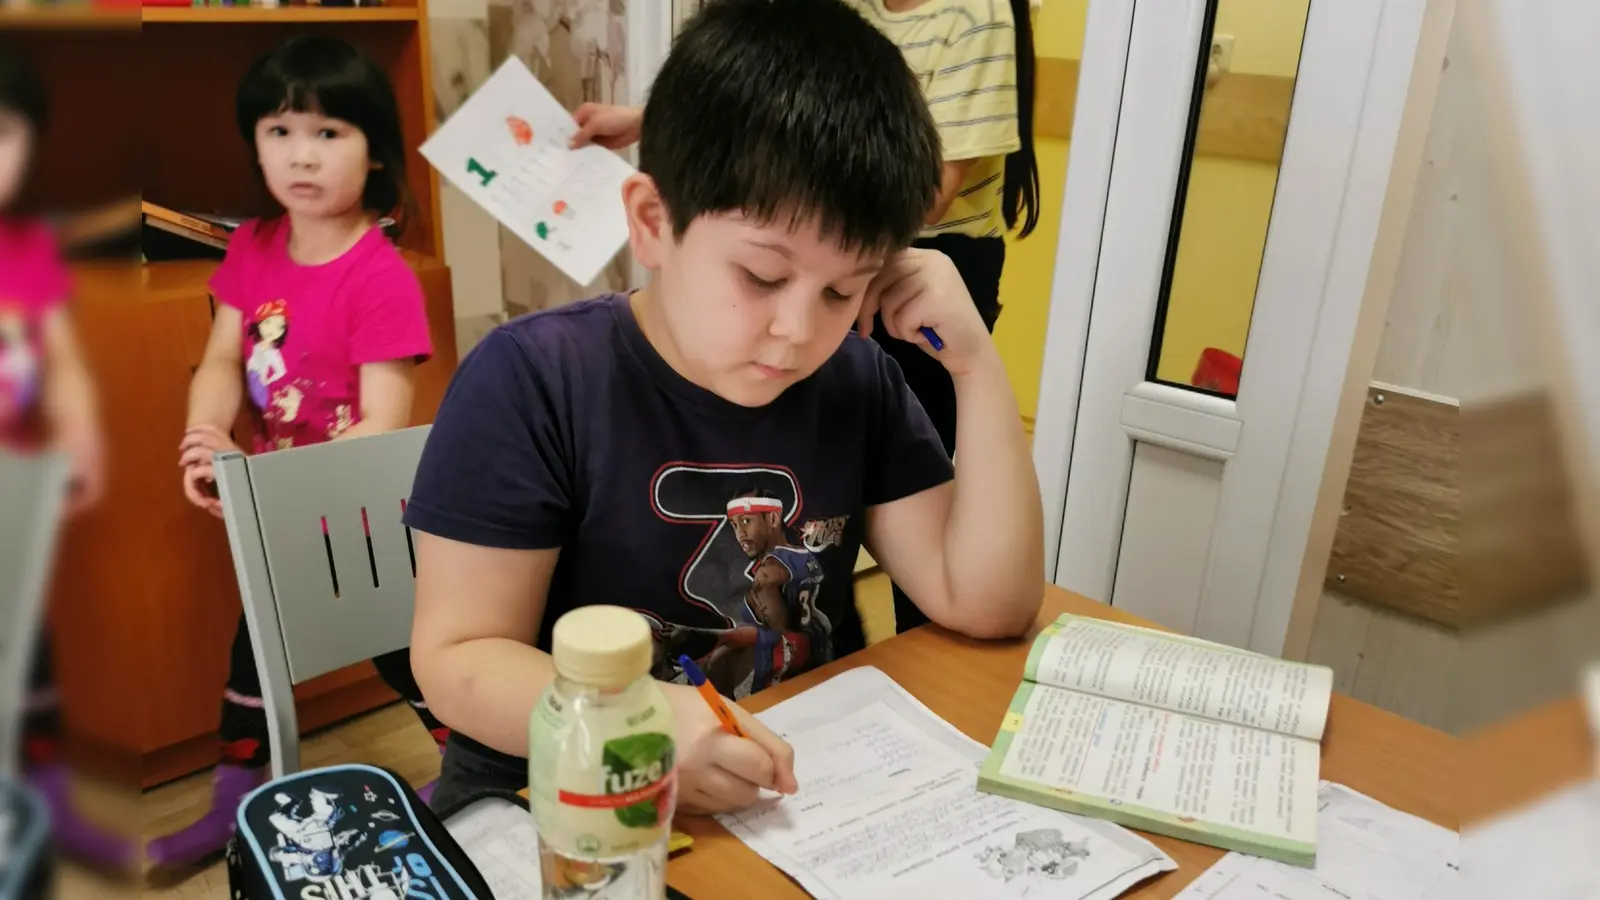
(933, 338)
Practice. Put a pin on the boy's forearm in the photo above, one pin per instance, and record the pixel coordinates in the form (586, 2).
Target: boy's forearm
(214, 396)
(994, 543)
(485, 689)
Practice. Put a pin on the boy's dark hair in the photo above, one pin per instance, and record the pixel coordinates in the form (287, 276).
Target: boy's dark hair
(22, 91)
(1019, 190)
(327, 76)
(792, 108)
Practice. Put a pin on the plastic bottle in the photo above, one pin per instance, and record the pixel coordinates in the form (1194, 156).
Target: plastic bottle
(601, 763)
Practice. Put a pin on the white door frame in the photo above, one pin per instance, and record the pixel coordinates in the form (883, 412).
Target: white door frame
(1354, 76)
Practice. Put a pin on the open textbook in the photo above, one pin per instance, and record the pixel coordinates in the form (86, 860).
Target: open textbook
(888, 808)
(1167, 733)
(1367, 851)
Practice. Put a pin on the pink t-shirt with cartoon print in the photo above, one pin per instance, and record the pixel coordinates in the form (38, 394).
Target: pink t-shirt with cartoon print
(33, 284)
(309, 329)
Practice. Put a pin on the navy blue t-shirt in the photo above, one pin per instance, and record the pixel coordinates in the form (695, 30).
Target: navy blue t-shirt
(734, 530)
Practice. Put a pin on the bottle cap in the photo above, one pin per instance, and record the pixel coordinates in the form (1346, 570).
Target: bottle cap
(602, 646)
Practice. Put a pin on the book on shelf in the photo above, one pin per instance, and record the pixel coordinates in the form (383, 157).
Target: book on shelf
(170, 234)
(1169, 734)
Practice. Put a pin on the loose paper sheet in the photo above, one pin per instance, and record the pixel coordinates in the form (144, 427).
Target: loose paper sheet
(503, 842)
(1549, 849)
(1365, 851)
(888, 807)
(506, 148)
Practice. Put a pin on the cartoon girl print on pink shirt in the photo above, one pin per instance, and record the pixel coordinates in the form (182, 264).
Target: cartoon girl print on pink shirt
(268, 328)
(19, 363)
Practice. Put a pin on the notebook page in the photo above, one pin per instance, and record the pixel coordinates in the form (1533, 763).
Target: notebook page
(1185, 675)
(888, 807)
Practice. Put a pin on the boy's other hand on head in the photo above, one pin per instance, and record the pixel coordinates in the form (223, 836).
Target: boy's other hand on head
(717, 771)
(611, 126)
(920, 289)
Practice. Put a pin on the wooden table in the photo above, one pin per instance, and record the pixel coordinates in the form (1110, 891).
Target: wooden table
(1525, 758)
(969, 683)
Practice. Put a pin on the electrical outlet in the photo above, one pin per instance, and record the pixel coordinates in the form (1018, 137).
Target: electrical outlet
(1222, 52)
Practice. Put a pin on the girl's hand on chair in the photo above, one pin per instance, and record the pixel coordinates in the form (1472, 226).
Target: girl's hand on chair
(86, 452)
(201, 442)
(200, 487)
(717, 771)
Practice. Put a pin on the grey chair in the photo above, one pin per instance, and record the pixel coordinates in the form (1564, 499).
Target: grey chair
(32, 490)
(326, 570)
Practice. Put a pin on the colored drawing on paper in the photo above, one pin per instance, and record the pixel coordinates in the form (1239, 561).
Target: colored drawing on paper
(562, 208)
(542, 230)
(476, 168)
(521, 131)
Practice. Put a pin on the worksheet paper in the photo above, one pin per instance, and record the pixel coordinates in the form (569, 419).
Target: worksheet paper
(888, 807)
(1549, 850)
(507, 149)
(501, 840)
(1365, 851)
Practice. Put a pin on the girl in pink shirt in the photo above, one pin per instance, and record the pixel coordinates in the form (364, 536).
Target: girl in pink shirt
(319, 323)
(46, 400)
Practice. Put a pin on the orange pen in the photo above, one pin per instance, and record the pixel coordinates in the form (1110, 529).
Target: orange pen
(713, 699)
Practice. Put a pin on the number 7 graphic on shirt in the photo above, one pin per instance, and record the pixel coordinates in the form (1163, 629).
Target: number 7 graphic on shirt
(716, 576)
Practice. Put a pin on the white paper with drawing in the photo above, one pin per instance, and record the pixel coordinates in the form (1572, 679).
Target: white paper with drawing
(1368, 851)
(506, 148)
(888, 808)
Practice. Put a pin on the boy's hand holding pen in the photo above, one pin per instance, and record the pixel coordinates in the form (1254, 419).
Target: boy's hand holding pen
(725, 755)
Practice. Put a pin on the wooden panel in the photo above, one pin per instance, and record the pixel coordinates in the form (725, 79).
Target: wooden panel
(1243, 116)
(1397, 542)
(1521, 549)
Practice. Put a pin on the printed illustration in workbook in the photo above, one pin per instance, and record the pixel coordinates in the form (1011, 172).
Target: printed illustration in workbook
(507, 149)
(344, 833)
(759, 574)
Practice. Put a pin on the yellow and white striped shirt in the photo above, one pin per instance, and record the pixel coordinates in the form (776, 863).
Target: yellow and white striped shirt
(964, 54)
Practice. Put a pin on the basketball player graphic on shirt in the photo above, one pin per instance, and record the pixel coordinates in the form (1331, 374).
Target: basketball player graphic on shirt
(783, 631)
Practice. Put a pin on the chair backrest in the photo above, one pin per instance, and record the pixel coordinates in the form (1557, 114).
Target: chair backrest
(319, 546)
(32, 489)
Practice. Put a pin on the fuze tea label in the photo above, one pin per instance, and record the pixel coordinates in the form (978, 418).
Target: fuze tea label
(638, 780)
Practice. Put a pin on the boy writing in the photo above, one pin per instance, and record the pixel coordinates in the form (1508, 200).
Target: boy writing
(713, 450)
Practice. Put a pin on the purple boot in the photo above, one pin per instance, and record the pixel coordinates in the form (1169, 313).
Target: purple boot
(75, 835)
(209, 836)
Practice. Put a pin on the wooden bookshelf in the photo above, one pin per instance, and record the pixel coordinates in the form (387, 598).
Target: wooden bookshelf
(144, 598)
(216, 15)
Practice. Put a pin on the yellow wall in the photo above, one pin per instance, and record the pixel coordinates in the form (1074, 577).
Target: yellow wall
(1225, 217)
(1229, 205)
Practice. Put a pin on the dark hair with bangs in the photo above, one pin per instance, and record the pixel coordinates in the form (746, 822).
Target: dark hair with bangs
(22, 91)
(796, 108)
(328, 77)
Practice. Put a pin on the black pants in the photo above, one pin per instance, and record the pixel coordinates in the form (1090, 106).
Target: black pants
(980, 261)
(41, 722)
(244, 717)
